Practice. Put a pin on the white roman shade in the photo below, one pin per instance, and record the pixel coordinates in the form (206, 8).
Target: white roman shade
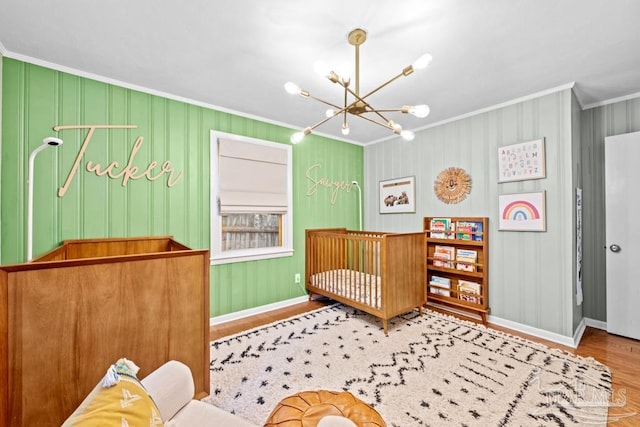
(252, 177)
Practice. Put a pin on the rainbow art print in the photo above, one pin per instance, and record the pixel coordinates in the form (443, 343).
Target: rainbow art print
(522, 212)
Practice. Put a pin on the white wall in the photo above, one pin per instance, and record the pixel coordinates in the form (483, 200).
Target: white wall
(531, 274)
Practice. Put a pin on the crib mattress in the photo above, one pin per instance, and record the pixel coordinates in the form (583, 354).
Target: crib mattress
(356, 285)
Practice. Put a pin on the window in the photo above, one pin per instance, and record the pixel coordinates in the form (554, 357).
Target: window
(250, 199)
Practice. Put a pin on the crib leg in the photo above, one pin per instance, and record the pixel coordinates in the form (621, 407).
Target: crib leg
(385, 326)
(420, 310)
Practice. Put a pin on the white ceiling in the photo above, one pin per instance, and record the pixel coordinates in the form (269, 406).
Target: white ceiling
(236, 55)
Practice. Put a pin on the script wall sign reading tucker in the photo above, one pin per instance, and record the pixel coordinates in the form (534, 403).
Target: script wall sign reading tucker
(114, 170)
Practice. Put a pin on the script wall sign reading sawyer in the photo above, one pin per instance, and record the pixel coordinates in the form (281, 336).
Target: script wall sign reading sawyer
(317, 182)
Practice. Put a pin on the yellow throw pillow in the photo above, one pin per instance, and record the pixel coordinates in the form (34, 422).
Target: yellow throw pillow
(125, 404)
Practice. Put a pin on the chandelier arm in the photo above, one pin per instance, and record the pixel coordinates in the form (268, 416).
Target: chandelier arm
(344, 119)
(371, 109)
(358, 98)
(382, 85)
(394, 110)
(321, 122)
(325, 102)
(384, 125)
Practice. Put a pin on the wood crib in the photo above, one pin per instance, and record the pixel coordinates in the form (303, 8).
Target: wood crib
(66, 316)
(382, 274)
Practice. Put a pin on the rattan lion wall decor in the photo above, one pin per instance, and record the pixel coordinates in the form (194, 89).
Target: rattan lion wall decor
(452, 185)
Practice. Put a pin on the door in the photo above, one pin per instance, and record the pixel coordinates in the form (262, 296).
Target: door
(622, 176)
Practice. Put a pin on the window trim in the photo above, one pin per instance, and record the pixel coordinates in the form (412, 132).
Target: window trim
(217, 256)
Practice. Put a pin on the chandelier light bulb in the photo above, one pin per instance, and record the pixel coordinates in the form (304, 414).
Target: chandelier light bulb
(422, 62)
(297, 137)
(321, 68)
(407, 135)
(395, 126)
(329, 113)
(345, 129)
(292, 88)
(345, 72)
(420, 111)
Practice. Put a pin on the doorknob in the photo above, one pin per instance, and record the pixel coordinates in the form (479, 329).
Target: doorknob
(615, 248)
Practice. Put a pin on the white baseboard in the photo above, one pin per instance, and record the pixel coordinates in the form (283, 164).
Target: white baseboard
(572, 342)
(519, 327)
(598, 324)
(577, 335)
(256, 310)
(536, 332)
(525, 329)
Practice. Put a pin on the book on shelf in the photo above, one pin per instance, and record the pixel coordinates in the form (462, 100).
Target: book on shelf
(439, 291)
(467, 287)
(439, 228)
(440, 282)
(464, 230)
(469, 230)
(466, 259)
(469, 291)
(470, 298)
(452, 229)
(443, 255)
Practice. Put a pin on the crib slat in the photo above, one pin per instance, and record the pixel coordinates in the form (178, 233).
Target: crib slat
(360, 269)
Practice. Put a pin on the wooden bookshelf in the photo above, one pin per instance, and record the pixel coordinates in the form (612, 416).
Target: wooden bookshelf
(458, 263)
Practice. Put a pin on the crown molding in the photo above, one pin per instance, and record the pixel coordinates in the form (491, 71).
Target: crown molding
(612, 101)
(488, 109)
(3, 50)
(107, 80)
(571, 85)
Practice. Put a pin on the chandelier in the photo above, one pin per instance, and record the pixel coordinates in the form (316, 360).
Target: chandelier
(356, 104)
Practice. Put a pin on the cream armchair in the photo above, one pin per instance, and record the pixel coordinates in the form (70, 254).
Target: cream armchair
(164, 397)
(171, 387)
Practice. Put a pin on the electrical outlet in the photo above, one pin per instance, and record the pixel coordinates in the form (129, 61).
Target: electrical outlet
(297, 278)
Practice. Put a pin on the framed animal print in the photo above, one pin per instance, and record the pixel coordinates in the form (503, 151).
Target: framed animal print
(398, 195)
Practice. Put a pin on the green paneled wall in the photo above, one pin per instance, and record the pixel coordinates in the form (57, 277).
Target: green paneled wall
(35, 99)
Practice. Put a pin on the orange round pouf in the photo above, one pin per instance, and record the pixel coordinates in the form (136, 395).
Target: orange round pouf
(307, 408)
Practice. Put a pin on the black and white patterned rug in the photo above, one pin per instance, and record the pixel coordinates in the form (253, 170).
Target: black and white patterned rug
(431, 370)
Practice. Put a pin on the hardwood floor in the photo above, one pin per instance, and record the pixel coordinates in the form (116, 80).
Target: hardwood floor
(621, 355)
(230, 328)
